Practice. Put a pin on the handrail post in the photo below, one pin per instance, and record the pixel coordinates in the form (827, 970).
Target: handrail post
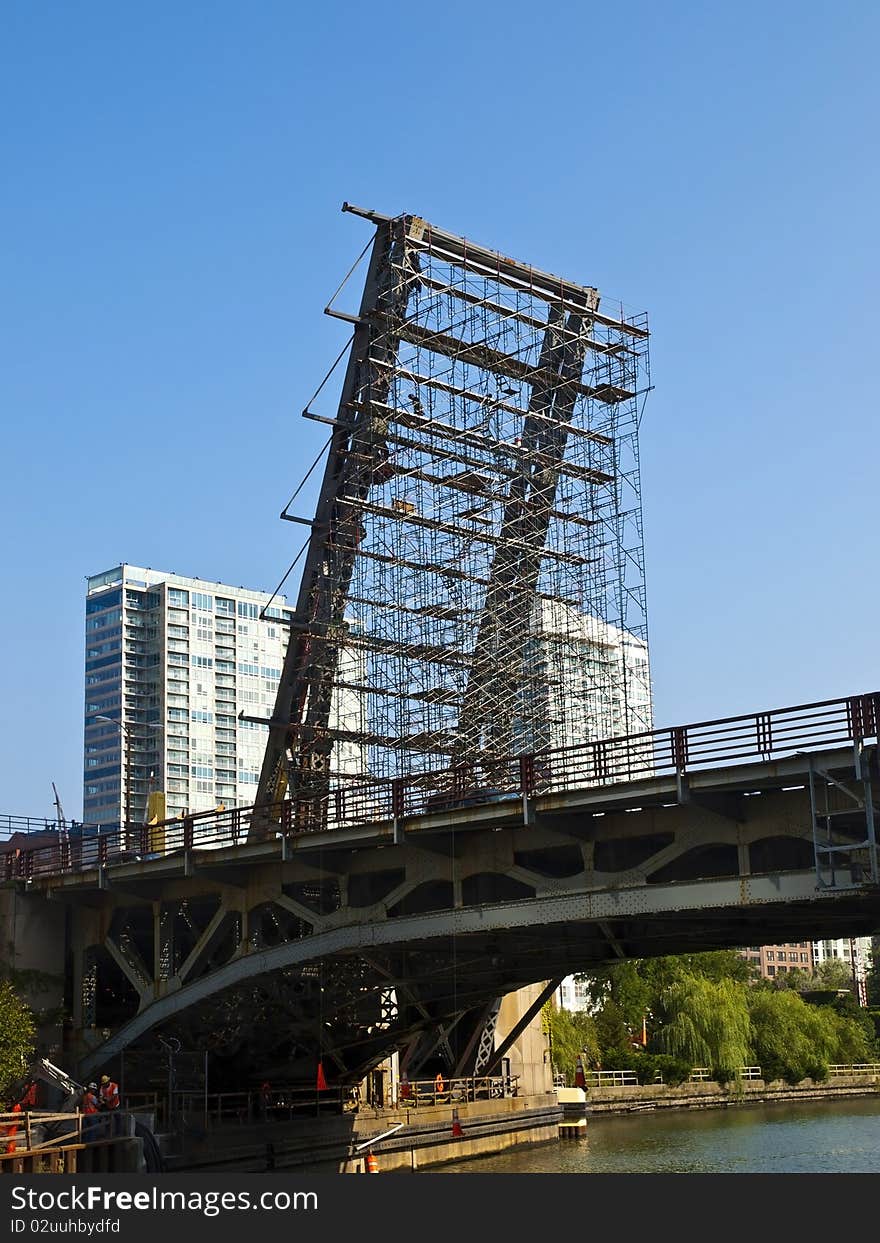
(188, 832)
(680, 748)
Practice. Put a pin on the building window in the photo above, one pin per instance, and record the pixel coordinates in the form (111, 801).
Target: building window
(771, 956)
(771, 970)
(176, 596)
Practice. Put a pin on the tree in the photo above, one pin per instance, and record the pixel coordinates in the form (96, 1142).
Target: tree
(572, 1034)
(17, 1033)
(706, 1022)
(790, 1039)
(834, 973)
(636, 985)
(799, 979)
(872, 976)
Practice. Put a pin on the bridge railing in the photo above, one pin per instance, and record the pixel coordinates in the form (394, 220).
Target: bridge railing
(11, 826)
(703, 1074)
(359, 801)
(421, 1092)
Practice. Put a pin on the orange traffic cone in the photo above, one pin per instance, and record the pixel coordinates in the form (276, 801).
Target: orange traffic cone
(322, 1081)
(372, 1164)
(580, 1079)
(456, 1125)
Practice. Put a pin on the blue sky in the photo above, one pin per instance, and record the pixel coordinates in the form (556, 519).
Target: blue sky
(171, 231)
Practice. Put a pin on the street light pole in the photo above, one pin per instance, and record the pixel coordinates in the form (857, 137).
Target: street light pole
(125, 738)
(125, 734)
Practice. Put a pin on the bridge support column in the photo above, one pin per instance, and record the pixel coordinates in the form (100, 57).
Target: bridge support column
(32, 937)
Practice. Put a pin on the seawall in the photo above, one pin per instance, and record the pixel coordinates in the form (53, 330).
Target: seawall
(340, 1145)
(636, 1097)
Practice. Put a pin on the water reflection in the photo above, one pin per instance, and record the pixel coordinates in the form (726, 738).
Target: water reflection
(816, 1137)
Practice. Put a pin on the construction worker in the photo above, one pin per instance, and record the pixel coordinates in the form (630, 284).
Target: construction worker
(109, 1094)
(109, 1103)
(29, 1095)
(12, 1129)
(89, 1105)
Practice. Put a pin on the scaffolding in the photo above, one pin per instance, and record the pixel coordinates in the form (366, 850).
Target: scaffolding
(473, 579)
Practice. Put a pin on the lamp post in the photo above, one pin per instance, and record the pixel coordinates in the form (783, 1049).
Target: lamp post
(126, 736)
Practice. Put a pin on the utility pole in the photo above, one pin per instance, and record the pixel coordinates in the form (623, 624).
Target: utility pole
(125, 736)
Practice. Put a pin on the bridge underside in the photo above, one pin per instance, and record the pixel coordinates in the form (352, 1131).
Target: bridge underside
(344, 946)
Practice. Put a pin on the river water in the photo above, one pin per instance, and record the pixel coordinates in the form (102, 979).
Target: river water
(816, 1137)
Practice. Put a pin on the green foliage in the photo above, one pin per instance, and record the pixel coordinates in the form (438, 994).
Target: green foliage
(798, 980)
(17, 1033)
(789, 1037)
(647, 1066)
(833, 973)
(873, 1017)
(872, 976)
(713, 1010)
(571, 1033)
(706, 1022)
(612, 1033)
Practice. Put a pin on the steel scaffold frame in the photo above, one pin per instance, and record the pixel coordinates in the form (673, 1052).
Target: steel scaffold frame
(473, 583)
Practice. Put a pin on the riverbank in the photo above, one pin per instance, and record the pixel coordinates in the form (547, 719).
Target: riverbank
(434, 1136)
(634, 1098)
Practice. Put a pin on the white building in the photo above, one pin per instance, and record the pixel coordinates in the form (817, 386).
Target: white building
(855, 953)
(573, 994)
(598, 686)
(170, 663)
(587, 679)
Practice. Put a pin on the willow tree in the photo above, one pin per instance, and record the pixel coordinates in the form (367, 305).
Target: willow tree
(706, 1022)
(572, 1034)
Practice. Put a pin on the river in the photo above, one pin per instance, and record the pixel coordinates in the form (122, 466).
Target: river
(816, 1137)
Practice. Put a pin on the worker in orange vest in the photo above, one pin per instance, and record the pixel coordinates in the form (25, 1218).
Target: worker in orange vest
(12, 1129)
(29, 1096)
(90, 1106)
(109, 1093)
(109, 1103)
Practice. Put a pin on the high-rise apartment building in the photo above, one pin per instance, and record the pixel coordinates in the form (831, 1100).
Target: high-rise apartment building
(172, 665)
(595, 682)
(588, 678)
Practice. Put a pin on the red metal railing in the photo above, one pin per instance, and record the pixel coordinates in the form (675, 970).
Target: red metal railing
(360, 801)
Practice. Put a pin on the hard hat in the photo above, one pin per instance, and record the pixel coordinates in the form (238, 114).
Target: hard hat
(93, 1087)
(105, 1078)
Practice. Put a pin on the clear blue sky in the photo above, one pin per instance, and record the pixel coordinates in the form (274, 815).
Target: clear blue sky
(171, 231)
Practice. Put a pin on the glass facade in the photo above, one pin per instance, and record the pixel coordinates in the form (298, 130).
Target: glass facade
(169, 663)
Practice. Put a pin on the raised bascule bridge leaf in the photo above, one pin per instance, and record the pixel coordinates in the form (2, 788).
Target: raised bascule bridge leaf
(473, 582)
